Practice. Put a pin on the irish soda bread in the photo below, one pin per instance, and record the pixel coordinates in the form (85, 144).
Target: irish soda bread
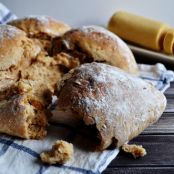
(41, 29)
(93, 43)
(27, 79)
(119, 106)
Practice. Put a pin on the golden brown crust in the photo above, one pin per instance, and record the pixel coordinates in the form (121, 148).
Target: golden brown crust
(93, 43)
(41, 29)
(35, 25)
(119, 105)
(10, 37)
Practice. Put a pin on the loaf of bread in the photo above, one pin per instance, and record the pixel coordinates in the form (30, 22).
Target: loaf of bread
(93, 43)
(108, 102)
(41, 29)
(139, 30)
(27, 79)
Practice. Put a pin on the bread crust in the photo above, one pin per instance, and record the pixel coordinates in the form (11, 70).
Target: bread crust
(33, 25)
(10, 37)
(119, 105)
(96, 44)
(41, 29)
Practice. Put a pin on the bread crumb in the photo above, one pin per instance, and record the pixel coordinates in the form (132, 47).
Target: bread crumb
(136, 150)
(60, 153)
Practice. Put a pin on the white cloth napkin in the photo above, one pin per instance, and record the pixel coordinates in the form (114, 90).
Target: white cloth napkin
(22, 156)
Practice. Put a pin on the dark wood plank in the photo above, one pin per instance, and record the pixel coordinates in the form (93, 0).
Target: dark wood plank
(170, 105)
(140, 170)
(165, 125)
(160, 152)
(170, 91)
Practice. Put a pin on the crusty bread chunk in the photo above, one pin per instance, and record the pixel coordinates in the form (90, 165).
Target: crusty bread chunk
(94, 43)
(136, 150)
(118, 105)
(60, 153)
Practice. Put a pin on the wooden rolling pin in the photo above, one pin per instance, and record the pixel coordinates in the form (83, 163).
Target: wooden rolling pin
(141, 31)
(168, 43)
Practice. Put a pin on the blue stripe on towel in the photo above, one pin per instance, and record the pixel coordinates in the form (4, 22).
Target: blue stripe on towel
(42, 169)
(6, 18)
(19, 147)
(79, 170)
(29, 151)
(4, 149)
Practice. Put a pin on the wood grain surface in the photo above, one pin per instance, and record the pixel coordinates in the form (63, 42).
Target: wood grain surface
(158, 140)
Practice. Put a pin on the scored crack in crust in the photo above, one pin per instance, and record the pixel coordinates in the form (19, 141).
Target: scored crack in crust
(119, 106)
(94, 43)
(41, 29)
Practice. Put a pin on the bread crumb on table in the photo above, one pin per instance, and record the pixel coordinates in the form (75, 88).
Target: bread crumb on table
(136, 150)
(60, 153)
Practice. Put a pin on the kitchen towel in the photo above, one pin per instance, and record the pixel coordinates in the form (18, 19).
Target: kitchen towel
(22, 156)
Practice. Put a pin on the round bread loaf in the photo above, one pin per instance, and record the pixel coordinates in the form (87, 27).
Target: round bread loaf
(94, 43)
(119, 106)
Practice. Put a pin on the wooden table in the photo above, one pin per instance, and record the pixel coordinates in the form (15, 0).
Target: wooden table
(158, 140)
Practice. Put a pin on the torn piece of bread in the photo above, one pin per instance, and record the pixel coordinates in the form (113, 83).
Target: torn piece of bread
(41, 76)
(94, 43)
(60, 153)
(41, 29)
(111, 104)
(136, 150)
